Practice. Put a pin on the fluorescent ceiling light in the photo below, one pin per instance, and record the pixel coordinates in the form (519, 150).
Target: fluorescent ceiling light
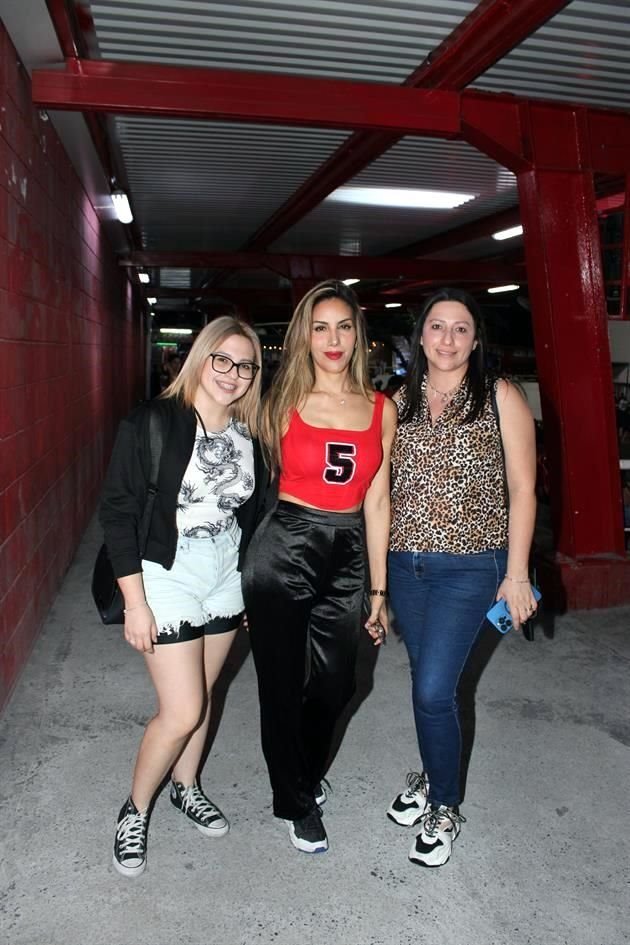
(508, 234)
(144, 277)
(176, 331)
(503, 288)
(401, 197)
(350, 281)
(121, 206)
(393, 305)
(152, 300)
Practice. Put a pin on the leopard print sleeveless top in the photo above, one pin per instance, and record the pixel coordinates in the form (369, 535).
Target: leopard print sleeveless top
(448, 481)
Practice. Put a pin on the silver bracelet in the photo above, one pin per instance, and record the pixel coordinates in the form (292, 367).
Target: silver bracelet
(135, 607)
(514, 581)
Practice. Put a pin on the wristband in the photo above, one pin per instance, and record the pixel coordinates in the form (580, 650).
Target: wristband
(135, 607)
(377, 592)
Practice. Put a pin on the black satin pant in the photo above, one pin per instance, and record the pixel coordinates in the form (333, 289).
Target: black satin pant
(303, 585)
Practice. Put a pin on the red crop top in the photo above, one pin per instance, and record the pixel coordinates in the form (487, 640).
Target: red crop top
(331, 469)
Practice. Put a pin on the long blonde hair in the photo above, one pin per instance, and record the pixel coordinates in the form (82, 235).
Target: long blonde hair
(295, 377)
(184, 387)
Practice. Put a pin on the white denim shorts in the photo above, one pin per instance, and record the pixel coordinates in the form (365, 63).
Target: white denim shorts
(201, 594)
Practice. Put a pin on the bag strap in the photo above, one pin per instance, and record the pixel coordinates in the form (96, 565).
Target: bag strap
(156, 440)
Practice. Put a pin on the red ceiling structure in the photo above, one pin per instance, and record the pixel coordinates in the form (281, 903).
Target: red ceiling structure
(555, 150)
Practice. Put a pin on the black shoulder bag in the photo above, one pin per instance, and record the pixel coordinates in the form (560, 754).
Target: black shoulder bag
(105, 590)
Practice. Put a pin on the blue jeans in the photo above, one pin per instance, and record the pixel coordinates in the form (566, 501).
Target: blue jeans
(440, 602)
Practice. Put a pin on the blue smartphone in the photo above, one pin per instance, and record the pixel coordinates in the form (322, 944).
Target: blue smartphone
(499, 615)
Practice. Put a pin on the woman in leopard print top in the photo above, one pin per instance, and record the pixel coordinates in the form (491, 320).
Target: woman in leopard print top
(463, 511)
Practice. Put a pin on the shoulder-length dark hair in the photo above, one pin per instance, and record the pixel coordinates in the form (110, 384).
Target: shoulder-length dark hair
(476, 377)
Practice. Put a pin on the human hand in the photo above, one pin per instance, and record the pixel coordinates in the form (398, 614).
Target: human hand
(140, 628)
(377, 624)
(519, 599)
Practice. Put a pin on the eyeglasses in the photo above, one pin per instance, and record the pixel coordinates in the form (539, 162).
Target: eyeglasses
(246, 370)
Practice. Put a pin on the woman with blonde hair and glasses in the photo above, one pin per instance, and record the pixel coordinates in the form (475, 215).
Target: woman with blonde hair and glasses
(183, 599)
(327, 435)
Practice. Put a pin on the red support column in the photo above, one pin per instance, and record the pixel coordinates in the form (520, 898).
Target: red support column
(589, 567)
(554, 152)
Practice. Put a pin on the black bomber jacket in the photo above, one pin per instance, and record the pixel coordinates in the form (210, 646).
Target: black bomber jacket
(127, 481)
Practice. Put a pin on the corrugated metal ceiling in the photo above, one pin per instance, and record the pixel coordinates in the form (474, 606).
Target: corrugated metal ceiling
(201, 185)
(369, 41)
(581, 55)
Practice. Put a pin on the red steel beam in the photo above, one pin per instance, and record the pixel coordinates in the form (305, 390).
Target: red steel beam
(487, 34)
(71, 24)
(173, 91)
(63, 18)
(331, 267)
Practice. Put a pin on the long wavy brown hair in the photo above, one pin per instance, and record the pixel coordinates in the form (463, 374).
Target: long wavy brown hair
(295, 377)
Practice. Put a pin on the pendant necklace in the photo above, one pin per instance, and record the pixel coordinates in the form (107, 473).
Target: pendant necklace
(444, 396)
(328, 394)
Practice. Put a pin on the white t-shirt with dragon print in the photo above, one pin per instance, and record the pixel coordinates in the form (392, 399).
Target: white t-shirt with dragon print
(219, 478)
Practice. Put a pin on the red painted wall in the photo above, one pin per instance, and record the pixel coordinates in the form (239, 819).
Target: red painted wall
(71, 363)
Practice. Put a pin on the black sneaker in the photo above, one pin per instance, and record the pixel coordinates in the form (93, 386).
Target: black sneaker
(205, 815)
(130, 843)
(307, 834)
(407, 808)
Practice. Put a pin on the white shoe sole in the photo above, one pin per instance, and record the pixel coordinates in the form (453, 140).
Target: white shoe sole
(129, 870)
(212, 831)
(304, 846)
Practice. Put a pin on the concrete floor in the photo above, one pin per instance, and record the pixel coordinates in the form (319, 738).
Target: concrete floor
(542, 859)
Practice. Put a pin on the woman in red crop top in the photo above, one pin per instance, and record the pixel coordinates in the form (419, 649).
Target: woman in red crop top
(328, 436)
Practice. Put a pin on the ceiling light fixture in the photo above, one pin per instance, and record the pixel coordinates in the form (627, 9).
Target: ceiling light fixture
(176, 331)
(401, 197)
(508, 234)
(503, 288)
(393, 305)
(144, 278)
(121, 206)
(350, 281)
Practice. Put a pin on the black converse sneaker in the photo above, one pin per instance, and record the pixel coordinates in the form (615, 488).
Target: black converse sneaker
(205, 815)
(433, 845)
(308, 834)
(130, 843)
(407, 808)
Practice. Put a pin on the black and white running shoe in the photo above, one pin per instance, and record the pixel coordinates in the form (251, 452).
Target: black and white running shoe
(407, 808)
(433, 845)
(308, 834)
(130, 842)
(205, 815)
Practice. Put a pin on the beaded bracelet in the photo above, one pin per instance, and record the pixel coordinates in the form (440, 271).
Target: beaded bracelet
(378, 593)
(135, 607)
(514, 581)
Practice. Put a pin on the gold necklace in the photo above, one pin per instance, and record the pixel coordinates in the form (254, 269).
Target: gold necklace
(328, 394)
(445, 396)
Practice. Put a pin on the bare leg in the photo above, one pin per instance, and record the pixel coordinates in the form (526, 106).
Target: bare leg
(215, 651)
(177, 672)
